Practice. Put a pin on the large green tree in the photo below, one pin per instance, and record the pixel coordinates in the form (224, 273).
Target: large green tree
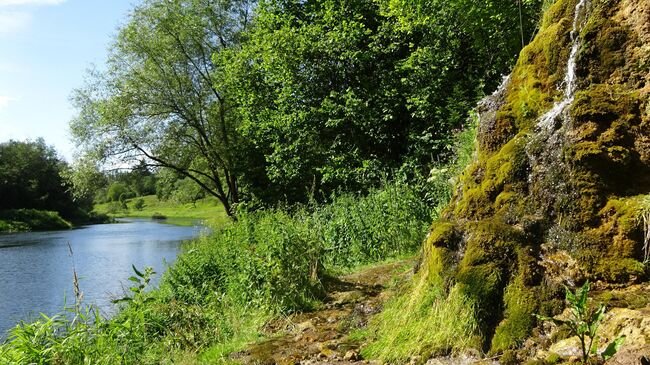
(337, 93)
(158, 99)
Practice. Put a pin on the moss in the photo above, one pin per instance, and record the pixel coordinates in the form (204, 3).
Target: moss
(491, 239)
(553, 358)
(539, 69)
(613, 249)
(509, 358)
(578, 193)
(602, 151)
(619, 270)
(438, 264)
(483, 272)
(441, 240)
(442, 234)
(521, 303)
(499, 172)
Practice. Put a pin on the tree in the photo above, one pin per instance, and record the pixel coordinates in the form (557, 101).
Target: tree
(118, 191)
(158, 99)
(31, 177)
(337, 93)
(89, 184)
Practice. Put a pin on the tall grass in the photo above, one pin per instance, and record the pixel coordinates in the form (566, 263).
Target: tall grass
(353, 231)
(423, 320)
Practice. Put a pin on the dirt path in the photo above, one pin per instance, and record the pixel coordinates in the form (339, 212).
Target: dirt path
(321, 337)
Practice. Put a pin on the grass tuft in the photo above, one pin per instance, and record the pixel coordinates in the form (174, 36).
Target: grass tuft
(423, 320)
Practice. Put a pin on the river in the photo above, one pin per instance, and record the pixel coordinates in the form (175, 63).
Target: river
(36, 268)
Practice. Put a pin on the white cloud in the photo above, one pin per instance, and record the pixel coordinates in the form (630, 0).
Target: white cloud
(29, 2)
(13, 21)
(5, 100)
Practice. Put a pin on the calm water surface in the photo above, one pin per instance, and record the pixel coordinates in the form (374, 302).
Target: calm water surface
(36, 268)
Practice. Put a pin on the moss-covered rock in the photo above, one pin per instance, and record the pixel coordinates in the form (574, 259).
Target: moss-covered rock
(553, 205)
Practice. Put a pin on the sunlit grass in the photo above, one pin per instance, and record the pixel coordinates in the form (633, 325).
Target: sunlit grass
(422, 320)
(208, 209)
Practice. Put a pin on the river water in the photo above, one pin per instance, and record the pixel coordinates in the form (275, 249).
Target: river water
(36, 268)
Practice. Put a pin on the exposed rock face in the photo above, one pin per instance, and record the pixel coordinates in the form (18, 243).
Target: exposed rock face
(555, 197)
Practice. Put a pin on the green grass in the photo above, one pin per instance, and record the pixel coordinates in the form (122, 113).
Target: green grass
(423, 320)
(205, 209)
(225, 286)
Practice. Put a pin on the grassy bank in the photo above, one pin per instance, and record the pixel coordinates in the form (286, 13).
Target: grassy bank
(225, 286)
(208, 209)
(26, 220)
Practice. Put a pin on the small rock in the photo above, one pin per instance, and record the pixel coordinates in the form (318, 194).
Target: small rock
(351, 355)
(353, 296)
(305, 326)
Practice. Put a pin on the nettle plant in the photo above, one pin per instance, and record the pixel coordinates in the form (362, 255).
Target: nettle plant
(584, 322)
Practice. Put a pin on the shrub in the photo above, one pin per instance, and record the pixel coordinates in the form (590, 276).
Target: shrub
(139, 204)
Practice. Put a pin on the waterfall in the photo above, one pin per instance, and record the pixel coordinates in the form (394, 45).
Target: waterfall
(549, 171)
(569, 82)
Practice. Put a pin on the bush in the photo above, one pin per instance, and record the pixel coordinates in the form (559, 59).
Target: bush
(139, 204)
(118, 191)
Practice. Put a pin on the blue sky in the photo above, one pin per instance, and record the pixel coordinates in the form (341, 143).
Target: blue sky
(45, 48)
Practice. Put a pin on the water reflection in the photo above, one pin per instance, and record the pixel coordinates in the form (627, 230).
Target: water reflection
(36, 268)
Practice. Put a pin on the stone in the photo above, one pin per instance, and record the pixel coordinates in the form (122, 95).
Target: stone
(351, 356)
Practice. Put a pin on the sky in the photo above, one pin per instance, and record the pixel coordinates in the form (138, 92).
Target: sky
(46, 46)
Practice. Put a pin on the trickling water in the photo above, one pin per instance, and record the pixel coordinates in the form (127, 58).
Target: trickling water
(547, 120)
(549, 176)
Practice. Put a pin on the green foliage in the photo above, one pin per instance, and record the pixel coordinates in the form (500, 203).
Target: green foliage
(186, 191)
(338, 93)
(353, 230)
(31, 177)
(118, 191)
(584, 323)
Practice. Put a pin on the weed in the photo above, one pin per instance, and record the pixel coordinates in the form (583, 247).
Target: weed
(584, 323)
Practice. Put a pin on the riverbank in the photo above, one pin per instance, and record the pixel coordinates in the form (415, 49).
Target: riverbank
(222, 290)
(208, 210)
(36, 271)
(27, 220)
